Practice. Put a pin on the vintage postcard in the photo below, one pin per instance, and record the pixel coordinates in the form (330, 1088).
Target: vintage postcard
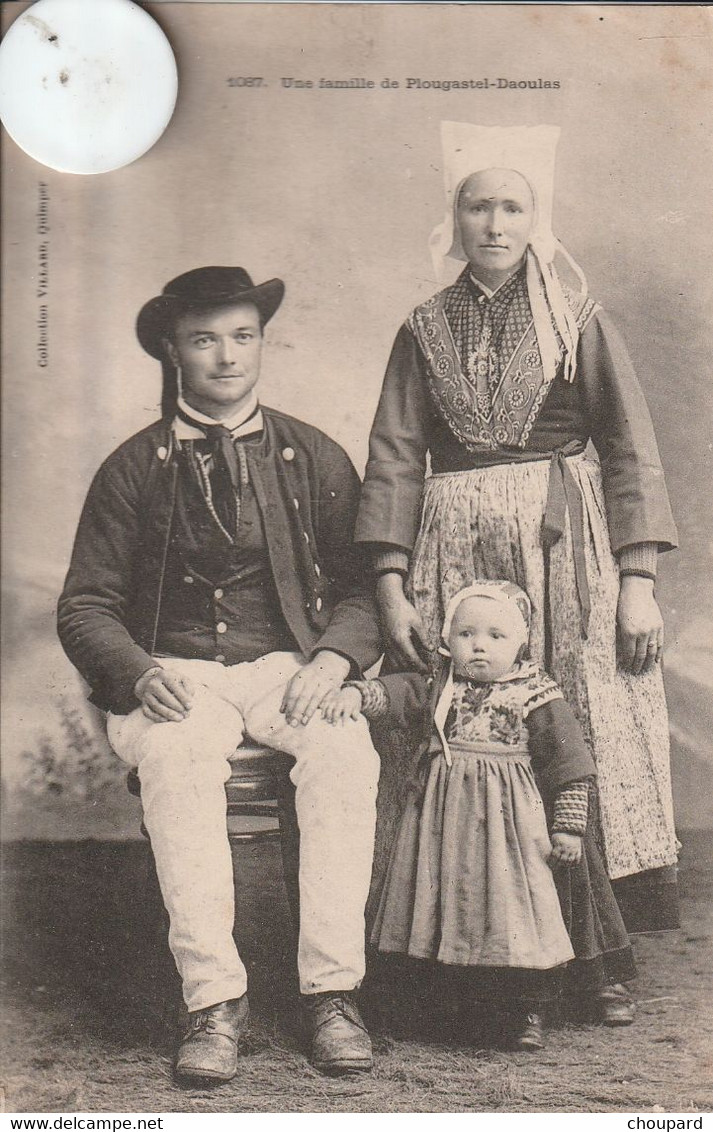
(306, 147)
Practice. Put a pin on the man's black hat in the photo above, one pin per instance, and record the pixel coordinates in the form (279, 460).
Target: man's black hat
(208, 287)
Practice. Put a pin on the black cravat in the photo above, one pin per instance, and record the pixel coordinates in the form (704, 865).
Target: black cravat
(229, 470)
(225, 458)
(225, 476)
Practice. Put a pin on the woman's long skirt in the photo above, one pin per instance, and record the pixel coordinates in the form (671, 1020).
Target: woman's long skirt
(486, 523)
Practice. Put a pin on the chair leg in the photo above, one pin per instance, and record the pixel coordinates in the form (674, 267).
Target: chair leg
(290, 847)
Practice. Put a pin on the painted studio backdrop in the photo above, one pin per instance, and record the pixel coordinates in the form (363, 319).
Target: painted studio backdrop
(327, 173)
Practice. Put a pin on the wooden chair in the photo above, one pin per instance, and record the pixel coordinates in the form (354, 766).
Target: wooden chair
(259, 787)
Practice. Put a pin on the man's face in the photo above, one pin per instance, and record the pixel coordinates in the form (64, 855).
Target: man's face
(218, 351)
(495, 214)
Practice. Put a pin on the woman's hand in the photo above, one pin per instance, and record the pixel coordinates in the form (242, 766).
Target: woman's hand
(165, 696)
(309, 687)
(404, 628)
(566, 849)
(640, 624)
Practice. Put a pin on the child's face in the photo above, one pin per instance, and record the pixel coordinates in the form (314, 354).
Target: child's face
(485, 639)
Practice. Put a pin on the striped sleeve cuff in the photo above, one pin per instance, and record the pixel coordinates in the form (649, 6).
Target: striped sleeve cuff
(639, 558)
(385, 561)
(374, 697)
(572, 808)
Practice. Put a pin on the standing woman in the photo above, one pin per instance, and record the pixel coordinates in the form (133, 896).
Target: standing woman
(500, 381)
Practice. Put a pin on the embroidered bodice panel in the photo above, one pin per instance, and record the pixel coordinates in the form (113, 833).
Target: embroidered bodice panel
(495, 714)
(483, 360)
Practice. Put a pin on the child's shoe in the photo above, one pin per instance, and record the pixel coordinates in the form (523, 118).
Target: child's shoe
(529, 1033)
(615, 1006)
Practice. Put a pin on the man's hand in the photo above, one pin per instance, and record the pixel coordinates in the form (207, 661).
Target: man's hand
(341, 705)
(566, 849)
(311, 685)
(639, 623)
(404, 628)
(165, 696)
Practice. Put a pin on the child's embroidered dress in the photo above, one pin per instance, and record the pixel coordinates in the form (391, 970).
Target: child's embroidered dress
(469, 881)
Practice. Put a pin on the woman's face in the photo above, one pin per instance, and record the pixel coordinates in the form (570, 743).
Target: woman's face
(495, 214)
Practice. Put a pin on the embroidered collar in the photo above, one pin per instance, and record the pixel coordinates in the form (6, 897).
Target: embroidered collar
(521, 671)
(502, 290)
(246, 422)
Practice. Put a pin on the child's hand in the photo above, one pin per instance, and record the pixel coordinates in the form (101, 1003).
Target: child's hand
(566, 849)
(341, 704)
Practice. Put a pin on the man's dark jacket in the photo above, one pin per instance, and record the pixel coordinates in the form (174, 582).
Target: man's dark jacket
(308, 493)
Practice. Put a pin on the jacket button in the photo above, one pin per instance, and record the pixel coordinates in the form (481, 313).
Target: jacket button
(318, 604)
(288, 454)
(221, 627)
(317, 569)
(217, 594)
(306, 536)
(162, 452)
(220, 658)
(188, 580)
(297, 504)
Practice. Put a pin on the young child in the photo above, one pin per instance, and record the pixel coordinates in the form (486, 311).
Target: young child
(470, 880)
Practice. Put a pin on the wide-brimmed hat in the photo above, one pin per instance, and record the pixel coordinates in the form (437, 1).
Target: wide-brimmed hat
(208, 287)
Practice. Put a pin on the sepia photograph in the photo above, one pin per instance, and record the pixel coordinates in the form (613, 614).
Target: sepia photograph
(357, 607)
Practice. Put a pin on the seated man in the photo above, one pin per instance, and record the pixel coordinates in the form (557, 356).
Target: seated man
(214, 593)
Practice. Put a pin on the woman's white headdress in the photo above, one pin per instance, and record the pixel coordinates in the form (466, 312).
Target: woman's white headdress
(530, 151)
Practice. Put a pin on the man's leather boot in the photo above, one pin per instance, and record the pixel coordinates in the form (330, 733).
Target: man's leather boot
(209, 1049)
(339, 1039)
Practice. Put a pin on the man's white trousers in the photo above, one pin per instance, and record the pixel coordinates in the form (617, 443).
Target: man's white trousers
(183, 768)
